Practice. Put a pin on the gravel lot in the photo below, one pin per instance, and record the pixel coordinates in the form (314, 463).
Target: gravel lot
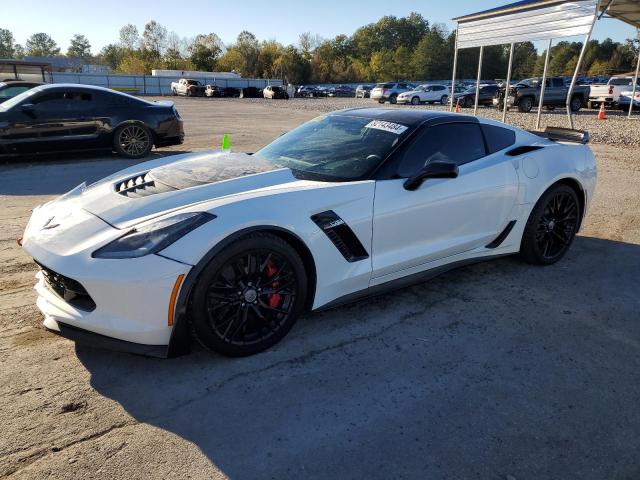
(494, 371)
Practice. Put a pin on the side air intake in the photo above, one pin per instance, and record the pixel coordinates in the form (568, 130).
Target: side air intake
(341, 235)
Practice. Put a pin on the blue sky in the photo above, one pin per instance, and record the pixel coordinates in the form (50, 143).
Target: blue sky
(100, 21)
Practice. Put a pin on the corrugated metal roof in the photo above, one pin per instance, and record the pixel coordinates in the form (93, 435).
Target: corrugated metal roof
(549, 19)
(627, 11)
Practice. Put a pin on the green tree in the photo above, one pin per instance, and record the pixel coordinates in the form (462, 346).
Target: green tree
(41, 45)
(111, 55)
(7, 44)
(79, 46)
(129, 37)
(204, 51)
(154, 38)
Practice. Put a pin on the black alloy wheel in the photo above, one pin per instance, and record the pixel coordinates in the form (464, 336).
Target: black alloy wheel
(393, 99)
(552, 226)
(249, 296)
(132, 141)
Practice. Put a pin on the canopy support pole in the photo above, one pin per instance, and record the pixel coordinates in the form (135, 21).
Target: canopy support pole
(453, 80)
(544, 84)
(579, 65)
(508, 85)
(635, 82)
(475, 106)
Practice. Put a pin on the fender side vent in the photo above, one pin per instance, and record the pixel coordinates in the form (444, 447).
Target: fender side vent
(524, 149)
(341, 235)
(502, 237)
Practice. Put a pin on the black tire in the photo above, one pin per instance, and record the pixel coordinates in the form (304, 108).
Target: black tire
(444, 100)
(525, 104)
(231, 313)
(173, 92)
(415, 101)
(469, 102)
(132, 141)
(380, 101)
(551, 108)
(576, 104)
(551, 227)
(393, 99)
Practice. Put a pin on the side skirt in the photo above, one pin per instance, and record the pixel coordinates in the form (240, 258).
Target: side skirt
(404, 282)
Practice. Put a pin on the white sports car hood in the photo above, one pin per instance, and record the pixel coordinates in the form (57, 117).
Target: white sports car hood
(170, 183)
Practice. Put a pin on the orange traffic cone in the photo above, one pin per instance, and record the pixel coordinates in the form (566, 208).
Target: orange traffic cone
(458, 107)
(602, 114)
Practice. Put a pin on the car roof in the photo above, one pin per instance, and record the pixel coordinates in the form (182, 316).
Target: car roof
(407, 117)
(85, 88)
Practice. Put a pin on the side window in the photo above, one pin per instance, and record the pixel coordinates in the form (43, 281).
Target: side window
(13, 91)
(557, 82)
(498, 138)
(458, 143)
(62, 101)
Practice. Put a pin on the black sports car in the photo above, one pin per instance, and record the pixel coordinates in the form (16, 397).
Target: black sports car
(13, 88)
(64, 117)
(468, 97)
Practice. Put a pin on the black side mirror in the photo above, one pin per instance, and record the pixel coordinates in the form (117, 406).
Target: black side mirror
(431, 170)
(28, 108)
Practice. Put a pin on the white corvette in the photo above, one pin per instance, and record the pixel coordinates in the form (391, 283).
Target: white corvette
(232, 247)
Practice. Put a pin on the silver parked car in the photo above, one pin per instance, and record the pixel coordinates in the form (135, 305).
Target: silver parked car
(389, 91)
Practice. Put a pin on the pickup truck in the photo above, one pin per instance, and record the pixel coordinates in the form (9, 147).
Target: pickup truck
(610, 93)
(526, 94)
(187, 87)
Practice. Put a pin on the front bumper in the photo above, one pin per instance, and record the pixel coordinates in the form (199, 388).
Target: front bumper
(129, 299)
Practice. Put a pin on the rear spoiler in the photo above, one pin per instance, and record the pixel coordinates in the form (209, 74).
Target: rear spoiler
(558, 134)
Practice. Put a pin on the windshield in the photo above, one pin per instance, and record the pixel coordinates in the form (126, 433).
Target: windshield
(4, 106)
(335, 147)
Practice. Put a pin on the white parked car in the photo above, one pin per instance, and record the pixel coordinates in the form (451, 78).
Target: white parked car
(426, 94)
(234, 247)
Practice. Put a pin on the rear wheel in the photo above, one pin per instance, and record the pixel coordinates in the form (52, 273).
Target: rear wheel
(469, 102)
(551, 227)
(132, 141)
(551, 108)
(444, 100)
(249, 296)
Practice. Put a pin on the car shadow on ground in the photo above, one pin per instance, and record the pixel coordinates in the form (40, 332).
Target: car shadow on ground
(490, 370)
(59, 173)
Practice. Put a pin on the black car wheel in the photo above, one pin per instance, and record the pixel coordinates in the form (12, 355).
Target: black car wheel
(415, 101)
(381, 101)
(249, 296)
(576, 104)
(132, 141)
(468, 102)
(525, 105)
(551, 108)
(173, 92)
(551, 227)
(393, 99)
(444, 100)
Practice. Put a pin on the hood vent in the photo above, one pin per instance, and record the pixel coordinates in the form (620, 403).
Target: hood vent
(142, 185)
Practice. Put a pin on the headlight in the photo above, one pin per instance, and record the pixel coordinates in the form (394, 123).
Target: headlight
(154, 237)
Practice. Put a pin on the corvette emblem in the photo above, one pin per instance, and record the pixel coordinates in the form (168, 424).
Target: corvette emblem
(49, 224)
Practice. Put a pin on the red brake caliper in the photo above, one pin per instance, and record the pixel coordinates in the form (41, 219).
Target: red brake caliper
(274, 298)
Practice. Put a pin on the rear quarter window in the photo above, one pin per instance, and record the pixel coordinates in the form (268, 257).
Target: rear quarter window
(498, 138)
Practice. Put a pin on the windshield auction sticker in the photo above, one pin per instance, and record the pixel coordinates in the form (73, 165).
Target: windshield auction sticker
(387, 126)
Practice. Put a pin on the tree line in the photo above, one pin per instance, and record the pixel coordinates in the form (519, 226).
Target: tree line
(393, 48)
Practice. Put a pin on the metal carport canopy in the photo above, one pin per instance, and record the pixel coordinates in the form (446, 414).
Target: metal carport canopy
(534, 20)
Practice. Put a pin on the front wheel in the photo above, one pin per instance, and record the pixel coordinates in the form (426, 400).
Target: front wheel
(249, 296)
(525, 105)
(415, 101)
(393, 99)
(551, 227)
(132, 141)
